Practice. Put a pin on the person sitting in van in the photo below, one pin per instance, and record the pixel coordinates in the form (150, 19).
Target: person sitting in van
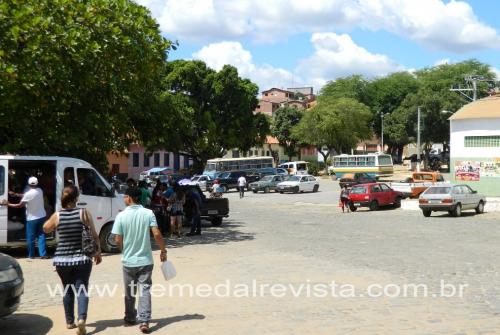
(35, 217)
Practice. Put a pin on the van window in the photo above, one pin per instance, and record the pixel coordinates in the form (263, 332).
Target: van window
(301, 167)
(2, 180)
(90, 183)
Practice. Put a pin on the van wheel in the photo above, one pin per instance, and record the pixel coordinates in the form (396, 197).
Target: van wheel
(374, 205)
(457, 211)
(426, 213)
(216, 221)
(480, 208)
(107, 239)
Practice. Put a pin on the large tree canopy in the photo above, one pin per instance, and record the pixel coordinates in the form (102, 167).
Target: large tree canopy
(285, 118)
(77, 77)
(212, 111)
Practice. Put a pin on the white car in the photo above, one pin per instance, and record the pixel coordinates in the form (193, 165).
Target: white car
(296, 184)
(201, 181)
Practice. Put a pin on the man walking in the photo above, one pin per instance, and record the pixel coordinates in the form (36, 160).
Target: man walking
(242, 183)
(35, 217)
(132, 228)
(194, 210)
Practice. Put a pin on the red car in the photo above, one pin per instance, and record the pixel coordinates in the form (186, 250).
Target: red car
(373, 196)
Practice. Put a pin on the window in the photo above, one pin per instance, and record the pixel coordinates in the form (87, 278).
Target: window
(157, 159)
(90, 183)
(166, 159)
(135, 159)
(69, 176)
(384, 160)
(482, 141)
(376, 188)
(2, 180)
(146, 159)
(466, 189)
(384, 187)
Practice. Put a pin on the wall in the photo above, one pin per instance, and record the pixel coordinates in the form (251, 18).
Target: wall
(477, 157)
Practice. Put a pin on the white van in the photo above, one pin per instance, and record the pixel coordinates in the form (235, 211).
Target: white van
(54, 173)
(299, 167)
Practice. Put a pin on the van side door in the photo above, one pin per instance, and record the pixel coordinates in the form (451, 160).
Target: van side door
(4, 194)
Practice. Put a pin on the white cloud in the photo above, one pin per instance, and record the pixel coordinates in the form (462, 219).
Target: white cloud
(338, 56)
(450, 26)
(216, 55)
(443, 61)
(496, 72)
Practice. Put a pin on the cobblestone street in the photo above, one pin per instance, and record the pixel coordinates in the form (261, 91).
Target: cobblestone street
(300, 241)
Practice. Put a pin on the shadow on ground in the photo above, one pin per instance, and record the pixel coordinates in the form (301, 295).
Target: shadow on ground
(24, 323)
(155, 324)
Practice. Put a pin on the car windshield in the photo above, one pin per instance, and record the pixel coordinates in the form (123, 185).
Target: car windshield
(358, 190)
(224, 175)
(293, 178)
(267, 178)
(195, 178)
(438, 190)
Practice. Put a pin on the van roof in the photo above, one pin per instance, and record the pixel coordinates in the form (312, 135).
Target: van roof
(44, 158)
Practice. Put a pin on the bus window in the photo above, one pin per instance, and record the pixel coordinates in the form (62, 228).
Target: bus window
(370, 161)
(351, 161)
(360, 161)
(384, 160)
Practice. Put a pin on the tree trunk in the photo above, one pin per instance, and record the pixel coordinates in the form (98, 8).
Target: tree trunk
(325, 156)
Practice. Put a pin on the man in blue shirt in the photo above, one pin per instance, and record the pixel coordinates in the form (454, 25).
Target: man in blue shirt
(132, 228)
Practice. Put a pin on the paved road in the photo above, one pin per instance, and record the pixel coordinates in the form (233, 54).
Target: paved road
(304, 240)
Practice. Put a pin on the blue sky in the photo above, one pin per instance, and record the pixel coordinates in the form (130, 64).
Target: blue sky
(284, 43)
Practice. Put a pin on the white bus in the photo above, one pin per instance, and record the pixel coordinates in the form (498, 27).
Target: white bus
(217, 165)
(373, 164)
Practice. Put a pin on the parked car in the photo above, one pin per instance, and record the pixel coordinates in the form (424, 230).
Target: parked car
(298, 183)
(373, 196)
(351, 179)
(451, 198)
(270, 171)
(212, 209)
(201, 181)
(229, 180)
(11, 285)
(267, 183)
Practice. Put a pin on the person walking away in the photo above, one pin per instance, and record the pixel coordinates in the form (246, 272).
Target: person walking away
(176, 202)
(195, 211)
(242, 183)
(35, 217)
(344, 199)
(131, 228)
(158, 208)
(72, 265)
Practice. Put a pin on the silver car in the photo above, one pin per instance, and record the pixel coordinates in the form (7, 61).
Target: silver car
(451, 198)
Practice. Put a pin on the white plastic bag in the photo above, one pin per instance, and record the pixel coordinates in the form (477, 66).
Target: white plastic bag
(168, 270)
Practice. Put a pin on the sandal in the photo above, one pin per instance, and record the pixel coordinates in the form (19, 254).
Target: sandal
(144, 328)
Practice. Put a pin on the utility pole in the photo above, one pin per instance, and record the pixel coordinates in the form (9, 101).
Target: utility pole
(418, 139)
(382, 131)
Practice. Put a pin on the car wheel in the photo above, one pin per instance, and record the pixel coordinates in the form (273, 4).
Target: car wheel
(426, 213)
(480, 207)
(450, 213)
(266, 190)
(281, 192)
(254, 191)
(457, 211)
(374, 205)
(224, 188)
(216, 221)
(316, 187)
(296, 189)
(352, 207)
(397, 202)
(107, 239)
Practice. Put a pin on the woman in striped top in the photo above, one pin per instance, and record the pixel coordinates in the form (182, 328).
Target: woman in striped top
(72, 265)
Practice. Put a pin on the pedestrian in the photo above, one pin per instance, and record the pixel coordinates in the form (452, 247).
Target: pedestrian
(344, 199)
(72, 265)
(131, 228)
(158, 206)
(35, 217)
(194, 211)
(145, 195)
(176, 202)
(242, 183)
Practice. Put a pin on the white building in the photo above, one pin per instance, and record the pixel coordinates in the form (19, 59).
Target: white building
(475, 145)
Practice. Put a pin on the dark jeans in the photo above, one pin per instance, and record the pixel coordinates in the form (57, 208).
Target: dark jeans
(161, 218)
(138, 279)
(34, 230)
(75, 280)
(242, 191)
(196, 223)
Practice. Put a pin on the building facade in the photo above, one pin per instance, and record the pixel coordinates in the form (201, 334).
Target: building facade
(475, 145)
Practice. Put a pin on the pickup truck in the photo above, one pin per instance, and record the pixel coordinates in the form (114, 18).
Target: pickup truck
(413, 186)
(229, 180)
(212, 209)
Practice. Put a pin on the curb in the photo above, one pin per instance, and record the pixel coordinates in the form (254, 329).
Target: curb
(492, 205)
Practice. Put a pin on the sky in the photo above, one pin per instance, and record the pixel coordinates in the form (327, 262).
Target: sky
(295, 43)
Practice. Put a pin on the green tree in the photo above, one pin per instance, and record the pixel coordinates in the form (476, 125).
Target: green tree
(77, 78)
(337, 124)
(212, 111)
(354, 87)
(285, 119)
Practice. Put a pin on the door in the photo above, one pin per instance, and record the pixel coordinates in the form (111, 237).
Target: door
(4, 192)
(387, 194)
(469, 197)
(95, 195)
(312, 183)
(378, 195)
